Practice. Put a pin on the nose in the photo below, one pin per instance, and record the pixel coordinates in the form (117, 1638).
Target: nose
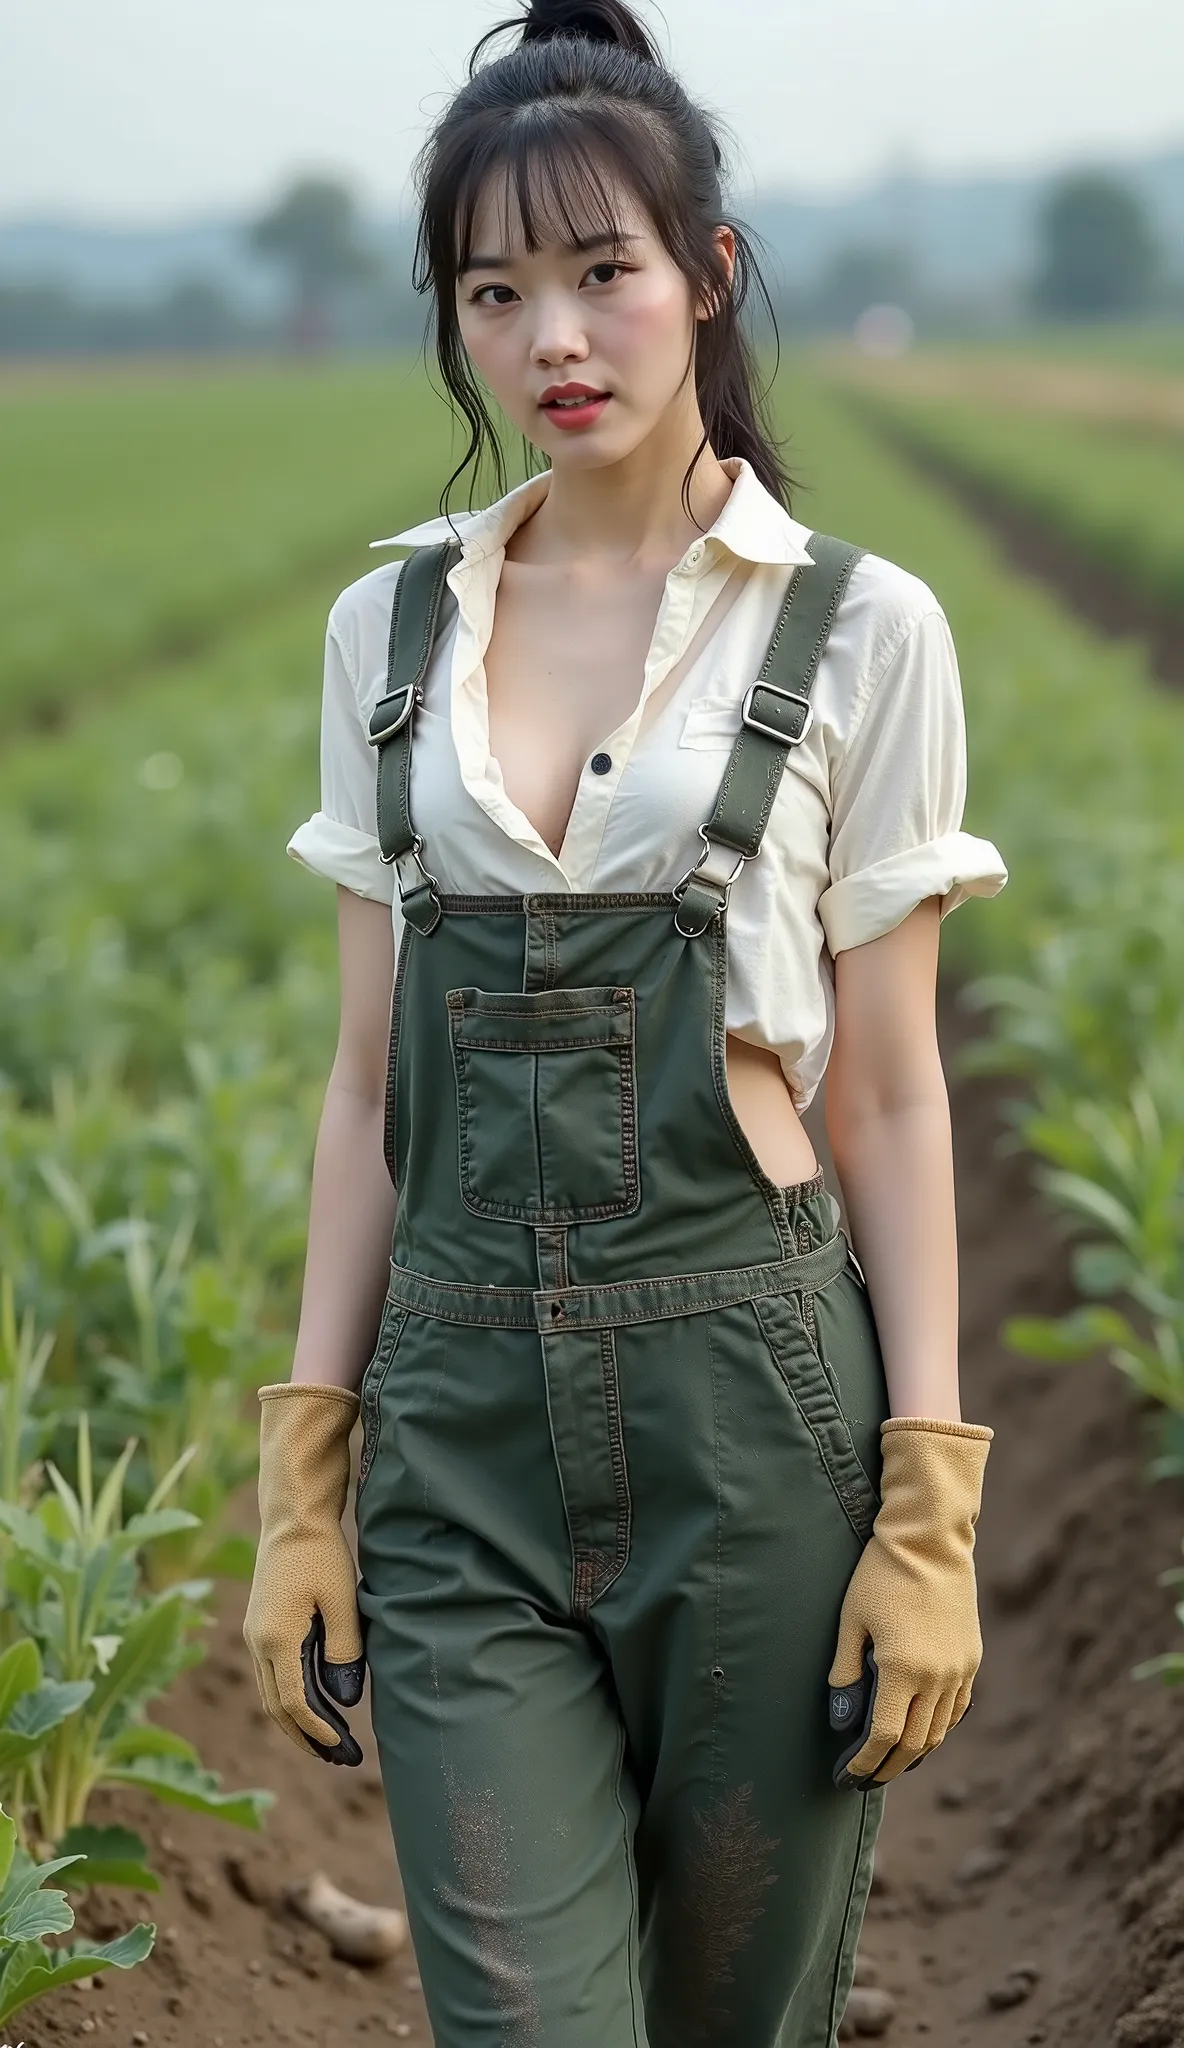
(559, 335)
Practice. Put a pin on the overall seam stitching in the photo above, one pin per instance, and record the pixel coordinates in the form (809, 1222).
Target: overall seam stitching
(632, 1942)
(841, 1949)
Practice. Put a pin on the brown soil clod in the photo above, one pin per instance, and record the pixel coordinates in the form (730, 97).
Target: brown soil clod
(1017, 1987)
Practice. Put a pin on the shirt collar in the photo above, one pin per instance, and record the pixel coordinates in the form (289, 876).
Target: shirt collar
(752, 524)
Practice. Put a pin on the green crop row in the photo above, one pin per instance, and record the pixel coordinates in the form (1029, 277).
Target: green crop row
(141, 521)
(1112, 493)
(1076, 766)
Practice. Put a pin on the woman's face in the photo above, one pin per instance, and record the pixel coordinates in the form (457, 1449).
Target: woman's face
(586, 351)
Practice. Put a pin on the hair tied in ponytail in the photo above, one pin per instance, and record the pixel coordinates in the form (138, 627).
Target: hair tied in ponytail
(601, 21)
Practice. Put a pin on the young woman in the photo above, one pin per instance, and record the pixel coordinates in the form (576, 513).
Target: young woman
(657, 795)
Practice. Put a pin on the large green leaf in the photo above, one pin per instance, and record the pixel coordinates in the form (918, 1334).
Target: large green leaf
(32, 1970)
(26, 1876)
(48, 1705)
(37, 1914)
(110, 1855)
(161, 1522)
(180, 1783)
(35, 1716)
(145, 1660)
(147, 1738)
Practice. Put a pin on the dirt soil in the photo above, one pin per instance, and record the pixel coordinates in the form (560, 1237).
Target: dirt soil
(1030, 1876)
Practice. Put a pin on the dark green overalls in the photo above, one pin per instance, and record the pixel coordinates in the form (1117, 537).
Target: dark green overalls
(621, 1451)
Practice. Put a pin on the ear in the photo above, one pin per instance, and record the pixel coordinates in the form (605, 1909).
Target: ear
(725, 253)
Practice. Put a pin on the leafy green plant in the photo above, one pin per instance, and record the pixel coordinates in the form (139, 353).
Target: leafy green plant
(28, 1912)
(95, 1650)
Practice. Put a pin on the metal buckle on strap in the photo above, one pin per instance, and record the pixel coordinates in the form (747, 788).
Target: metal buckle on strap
(710, 846)
(404, 701)
(422, 878)
(770, 732)
(702, 868)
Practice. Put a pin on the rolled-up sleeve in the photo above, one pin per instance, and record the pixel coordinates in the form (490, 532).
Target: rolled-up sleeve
(897, 798)
(340, 840)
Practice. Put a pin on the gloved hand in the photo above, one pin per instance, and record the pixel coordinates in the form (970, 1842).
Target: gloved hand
(913, 1594)
(302, 1625)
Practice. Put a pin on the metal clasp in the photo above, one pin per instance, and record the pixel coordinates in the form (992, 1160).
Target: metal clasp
(721, 882)
(770, 732)
(422, 875)
(411, 695)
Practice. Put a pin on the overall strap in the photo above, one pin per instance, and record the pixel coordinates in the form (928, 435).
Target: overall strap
(415, 619)
(775, 716)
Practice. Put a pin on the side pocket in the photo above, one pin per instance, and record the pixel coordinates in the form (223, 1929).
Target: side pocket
(813, 1389)
(389, 1332)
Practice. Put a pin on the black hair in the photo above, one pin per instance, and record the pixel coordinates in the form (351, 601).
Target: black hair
(583, 99)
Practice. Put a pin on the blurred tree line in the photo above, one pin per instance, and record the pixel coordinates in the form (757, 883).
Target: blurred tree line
(1098, 258)
(343, 291)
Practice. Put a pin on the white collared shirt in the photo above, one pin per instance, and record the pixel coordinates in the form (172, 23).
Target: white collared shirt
(866, 823)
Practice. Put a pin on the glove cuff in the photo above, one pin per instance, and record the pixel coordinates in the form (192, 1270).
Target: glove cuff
(932, 1479)
(939, 1425)
(314, 1395)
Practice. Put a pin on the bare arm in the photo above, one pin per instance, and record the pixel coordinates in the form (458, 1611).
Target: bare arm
(888, 1121)
(352, 1206)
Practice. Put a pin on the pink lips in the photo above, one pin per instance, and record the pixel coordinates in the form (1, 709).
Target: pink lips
(583, 404)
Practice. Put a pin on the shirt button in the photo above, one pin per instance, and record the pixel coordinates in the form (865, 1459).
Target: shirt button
(695, 555)
(601, 763)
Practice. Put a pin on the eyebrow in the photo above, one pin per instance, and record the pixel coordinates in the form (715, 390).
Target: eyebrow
(583, 247)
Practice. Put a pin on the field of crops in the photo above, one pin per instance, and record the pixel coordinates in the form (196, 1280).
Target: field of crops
(168, 1006)
(1093, 455)
(142, 520)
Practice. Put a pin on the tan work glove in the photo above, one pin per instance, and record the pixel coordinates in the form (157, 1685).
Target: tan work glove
(302, 1625)
(913, 1596)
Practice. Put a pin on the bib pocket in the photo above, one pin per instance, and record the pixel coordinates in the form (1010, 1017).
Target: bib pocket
(546, 1103)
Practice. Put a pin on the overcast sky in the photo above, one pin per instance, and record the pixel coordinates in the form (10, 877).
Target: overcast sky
(140, 110)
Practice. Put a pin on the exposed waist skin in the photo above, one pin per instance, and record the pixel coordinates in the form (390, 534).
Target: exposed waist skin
(765, 1112)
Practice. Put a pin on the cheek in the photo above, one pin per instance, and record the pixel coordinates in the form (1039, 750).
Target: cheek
(655, 330)
(481, 340)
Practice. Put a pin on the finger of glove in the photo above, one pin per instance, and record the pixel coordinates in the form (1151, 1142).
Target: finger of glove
(961, 1702)
(343, 1632)
(268, 1693)
(943, 1721)
(847, 1667)
(289, 1684)
(911, 1742)
(894, 1700)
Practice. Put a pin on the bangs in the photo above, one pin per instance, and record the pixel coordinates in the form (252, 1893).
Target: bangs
(556, 174)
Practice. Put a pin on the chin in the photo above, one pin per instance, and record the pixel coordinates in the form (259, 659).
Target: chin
(590, 450)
